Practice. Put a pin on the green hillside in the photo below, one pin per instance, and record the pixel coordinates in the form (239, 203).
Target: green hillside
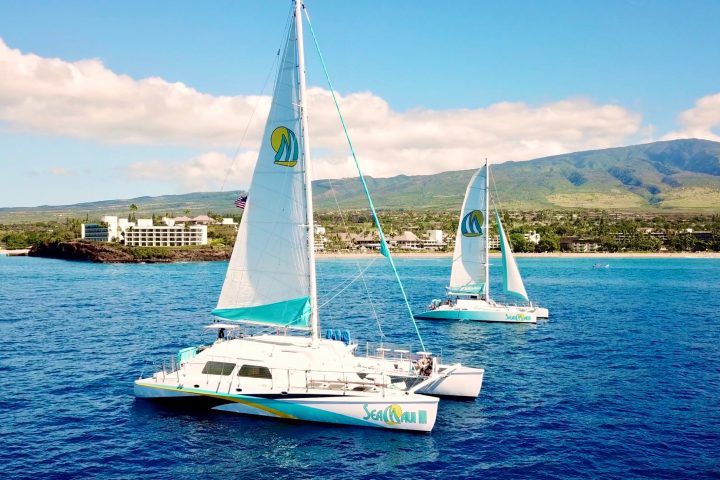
(674, 176)
(681, 175)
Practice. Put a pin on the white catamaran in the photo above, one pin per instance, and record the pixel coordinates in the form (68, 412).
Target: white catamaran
(271, 282)
(468, 295)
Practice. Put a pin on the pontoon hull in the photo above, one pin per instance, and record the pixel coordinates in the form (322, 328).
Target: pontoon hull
(504, 315)
(456, 381)
(398, 412)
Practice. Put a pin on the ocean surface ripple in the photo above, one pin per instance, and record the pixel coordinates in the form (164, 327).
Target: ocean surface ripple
(623, 381)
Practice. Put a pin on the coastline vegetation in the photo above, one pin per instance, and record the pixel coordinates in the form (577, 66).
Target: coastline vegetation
(609, 231)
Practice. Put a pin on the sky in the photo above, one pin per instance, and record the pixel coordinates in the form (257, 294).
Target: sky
(103, 100)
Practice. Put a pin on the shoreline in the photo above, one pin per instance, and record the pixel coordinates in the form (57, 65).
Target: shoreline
(224, 256)
(14, 253)
(533, 255)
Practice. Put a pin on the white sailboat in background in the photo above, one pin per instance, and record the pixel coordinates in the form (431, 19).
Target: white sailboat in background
(468, 295)
(271, 282)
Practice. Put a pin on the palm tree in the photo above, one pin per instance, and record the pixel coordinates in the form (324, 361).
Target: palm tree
(133, 209)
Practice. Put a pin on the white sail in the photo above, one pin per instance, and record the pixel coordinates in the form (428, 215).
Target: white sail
(470, 257)
(268, 278)
(512, 281)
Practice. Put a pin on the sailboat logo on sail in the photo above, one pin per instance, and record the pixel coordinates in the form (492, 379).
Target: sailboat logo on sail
(285, 144)
(472, 224)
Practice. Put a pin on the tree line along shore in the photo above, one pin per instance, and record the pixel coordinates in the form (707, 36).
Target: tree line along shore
(580, 231)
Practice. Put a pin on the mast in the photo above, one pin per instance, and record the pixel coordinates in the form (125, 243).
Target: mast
(487, 231)
(307, 171)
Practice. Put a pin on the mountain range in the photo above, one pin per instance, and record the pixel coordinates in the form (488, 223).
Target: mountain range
(673, 175)
(670, 176)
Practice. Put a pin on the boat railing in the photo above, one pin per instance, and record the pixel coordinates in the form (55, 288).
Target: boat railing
(285, 379)
(388, 352)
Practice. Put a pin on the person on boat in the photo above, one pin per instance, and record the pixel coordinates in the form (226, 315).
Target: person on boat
(221, 334)
(424, 366)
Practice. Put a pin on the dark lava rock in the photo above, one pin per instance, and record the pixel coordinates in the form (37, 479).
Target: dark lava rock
(103, 252)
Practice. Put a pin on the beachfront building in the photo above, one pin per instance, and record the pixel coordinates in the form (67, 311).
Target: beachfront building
(144, 233)
(579, 245)
(94, 232)
(406, 241)
(109, 230)
(204, 220)
(320, 238)
(532, 237)
(435, 240)
(363, 242)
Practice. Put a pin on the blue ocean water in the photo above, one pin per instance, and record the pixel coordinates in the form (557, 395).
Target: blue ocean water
(623, 381)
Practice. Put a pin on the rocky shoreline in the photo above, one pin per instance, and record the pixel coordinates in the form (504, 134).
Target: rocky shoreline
(101, 252)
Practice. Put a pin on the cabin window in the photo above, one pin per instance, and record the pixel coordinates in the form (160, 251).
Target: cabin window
(254, 371)
(218, 368)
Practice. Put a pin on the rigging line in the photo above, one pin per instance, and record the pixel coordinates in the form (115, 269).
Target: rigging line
(273, 67)
(341, 285)
(352, 280)
(496, 196)
(383, 243)
(357, 263)
(493, 197)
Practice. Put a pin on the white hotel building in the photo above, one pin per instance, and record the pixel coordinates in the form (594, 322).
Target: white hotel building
(145, 234)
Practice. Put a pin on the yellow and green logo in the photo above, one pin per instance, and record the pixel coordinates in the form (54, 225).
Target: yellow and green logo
(472, 224)
(285, 144)
(394, 415)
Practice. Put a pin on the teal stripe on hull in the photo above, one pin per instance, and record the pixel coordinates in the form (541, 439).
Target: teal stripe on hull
(476, 316)
(278, 408)
(290, 313)
(310, 414)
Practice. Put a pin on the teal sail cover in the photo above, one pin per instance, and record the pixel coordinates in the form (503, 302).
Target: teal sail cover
(470, 289)
(290, 313)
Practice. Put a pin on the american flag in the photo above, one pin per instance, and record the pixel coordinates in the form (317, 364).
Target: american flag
(241, 200)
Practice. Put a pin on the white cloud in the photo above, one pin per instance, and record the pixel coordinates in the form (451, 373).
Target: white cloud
(58, 171)
(206, 172)
(701, 121)
(86, 100)
(424, 141)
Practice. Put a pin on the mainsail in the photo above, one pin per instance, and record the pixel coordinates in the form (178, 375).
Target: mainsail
(470, 257)
(268, 278)
(512, 281)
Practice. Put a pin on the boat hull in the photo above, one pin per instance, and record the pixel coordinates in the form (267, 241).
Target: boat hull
(503, 315)
(397, 412)
(456, 381)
